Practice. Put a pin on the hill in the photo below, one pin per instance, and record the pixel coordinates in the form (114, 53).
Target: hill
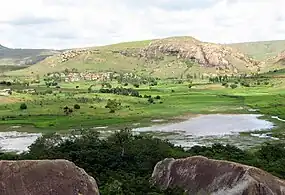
(260, 50)
(16, 57)
(169, 57)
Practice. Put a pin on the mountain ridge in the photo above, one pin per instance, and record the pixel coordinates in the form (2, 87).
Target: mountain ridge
(164, 57)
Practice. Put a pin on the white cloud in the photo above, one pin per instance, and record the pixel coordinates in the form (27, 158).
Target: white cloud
(69, 23)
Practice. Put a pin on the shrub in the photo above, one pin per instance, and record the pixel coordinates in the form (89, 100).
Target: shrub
(76, 106)
(158, 97)
(23, 106)
(113, 105)
(150, 100)
(233, 86)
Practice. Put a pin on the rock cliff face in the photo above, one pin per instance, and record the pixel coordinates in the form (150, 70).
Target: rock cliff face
(202, 176)
(47, 177)
(205, 54)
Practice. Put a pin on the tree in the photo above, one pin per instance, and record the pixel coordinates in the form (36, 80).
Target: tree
(136, 85)
(150, 100)
(233, 86)
(113, 105)
(67, 110)
(23, 106)
(76, 106)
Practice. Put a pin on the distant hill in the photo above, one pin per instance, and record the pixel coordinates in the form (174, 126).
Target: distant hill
(16, 57)
(169, 57)
(261, 50)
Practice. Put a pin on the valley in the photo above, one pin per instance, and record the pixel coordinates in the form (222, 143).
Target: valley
(114, 101)
(117, 110)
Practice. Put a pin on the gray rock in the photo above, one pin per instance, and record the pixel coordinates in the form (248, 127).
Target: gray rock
(203, 176)
(45, 177)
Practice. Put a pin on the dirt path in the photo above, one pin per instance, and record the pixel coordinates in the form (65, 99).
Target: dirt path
(8, 100)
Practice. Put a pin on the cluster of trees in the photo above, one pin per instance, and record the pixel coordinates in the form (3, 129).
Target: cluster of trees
(7, 83)
(67, 110)
(135, 80)
(244, 80)
(123, 163)
(121, 91)
(219, 79)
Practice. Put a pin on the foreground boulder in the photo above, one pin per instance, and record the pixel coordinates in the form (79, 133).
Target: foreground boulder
(203, 176)
(46, 177)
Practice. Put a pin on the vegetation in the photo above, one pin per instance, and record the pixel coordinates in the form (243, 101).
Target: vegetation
(123, 163)
(119, 90)
(23, 106)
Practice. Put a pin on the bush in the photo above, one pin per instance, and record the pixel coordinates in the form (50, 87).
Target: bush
(76, 106)
(113, 105)
(23, 106)
(158, 97)
(233, 86)
(150, 100)
(245, 84)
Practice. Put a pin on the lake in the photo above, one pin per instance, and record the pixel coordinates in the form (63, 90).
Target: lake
(199, 130)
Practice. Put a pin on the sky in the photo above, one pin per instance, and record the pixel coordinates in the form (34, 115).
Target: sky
(60, 24)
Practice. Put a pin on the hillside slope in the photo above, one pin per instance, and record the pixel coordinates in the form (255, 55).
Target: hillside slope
(23, 56)
(169, 57)
(260, 50)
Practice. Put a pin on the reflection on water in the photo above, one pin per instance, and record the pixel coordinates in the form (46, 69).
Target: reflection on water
(214, 124)
(16, 141)
(214, 128)
(200, 130)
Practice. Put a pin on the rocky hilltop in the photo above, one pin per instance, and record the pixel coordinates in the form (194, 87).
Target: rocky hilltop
(56, 177)
(168, 57)
(207, 55)
(203, 176)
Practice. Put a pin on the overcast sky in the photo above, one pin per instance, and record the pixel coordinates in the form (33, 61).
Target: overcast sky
(79, 23)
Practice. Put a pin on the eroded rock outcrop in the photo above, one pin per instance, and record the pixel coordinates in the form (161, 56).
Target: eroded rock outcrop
(46, 177)
(205, 54)
(202, 176)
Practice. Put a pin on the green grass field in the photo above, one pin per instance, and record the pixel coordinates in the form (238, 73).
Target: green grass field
(45, 112)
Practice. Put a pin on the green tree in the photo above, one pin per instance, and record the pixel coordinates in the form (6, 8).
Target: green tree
(23, 106)
(76, 106)
(233, 86)
(113, 105)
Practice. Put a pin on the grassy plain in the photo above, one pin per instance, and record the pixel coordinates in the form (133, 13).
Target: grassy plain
(45, 113)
